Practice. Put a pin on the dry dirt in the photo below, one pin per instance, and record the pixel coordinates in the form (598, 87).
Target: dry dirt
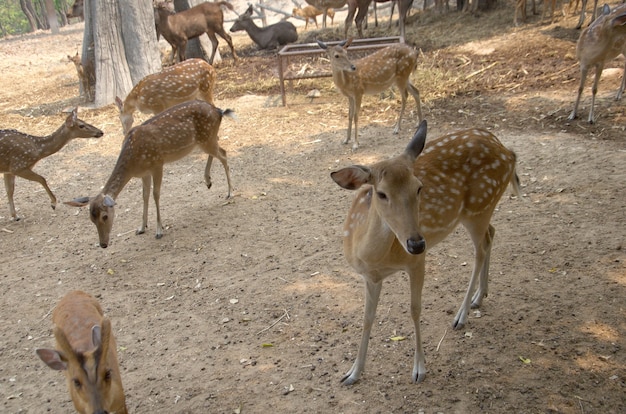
(248, 305)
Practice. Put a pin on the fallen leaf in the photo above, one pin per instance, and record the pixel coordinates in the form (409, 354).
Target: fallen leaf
(524, 360)
(398, 338)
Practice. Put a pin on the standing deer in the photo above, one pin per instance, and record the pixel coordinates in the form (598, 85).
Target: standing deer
(372, 74)
(269, 37)
(86, 77)
(360, 7)
(86, 352)
(407, 204)
(19, 152)
(185, 81)
(178, 28)
(311, 13)
(167, 137)
(601, 41)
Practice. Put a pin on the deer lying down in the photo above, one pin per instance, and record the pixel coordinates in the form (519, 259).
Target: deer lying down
(86, 352)
(19, 152)
(601, 41)
(269, 37)
(407, 204)
(167, 137)
(185, 81)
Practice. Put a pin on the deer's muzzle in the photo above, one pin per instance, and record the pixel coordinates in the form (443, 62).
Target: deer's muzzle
(416, 246)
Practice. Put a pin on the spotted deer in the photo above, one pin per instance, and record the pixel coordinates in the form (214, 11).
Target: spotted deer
(87, 80)
(19, 152)
(407, 204)
(601, 41)
(372, 74)
(165, 138)
(86, 352)
(185, 81)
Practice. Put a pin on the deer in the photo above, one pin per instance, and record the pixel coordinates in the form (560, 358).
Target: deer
(184, 81)
(407, 204)
(326, 6)
(178, 28)
(311, 13)
(87, 353)
(372, 74)
(601, 41)
(270, 37)
(86, 77)
(360, 8)
(76, 10)
(581, 20)
(19, 152)
(520, 10)
(167, 137)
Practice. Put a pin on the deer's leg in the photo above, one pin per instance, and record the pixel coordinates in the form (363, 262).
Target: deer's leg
(207, 172)
(403, 93)
(214, 43)
(157, 179)
(482, 247)
(146, 183)
(623, 84)
(416, 95)
(33, 176)
(350, 118)
(584, 70)
(349, 17)
(355, 113)
(229, 40)
(483, 283)
(372, 294)
(182, 50)
(9, 185)
(582, 15)
(221, 155)
(594, 89)
(416, 277)
(360, 17)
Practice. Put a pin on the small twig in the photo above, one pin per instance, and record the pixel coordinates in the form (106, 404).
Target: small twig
(471, 75)
(441, 340)
(286, 314)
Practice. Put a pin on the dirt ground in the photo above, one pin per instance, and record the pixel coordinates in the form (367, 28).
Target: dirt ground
(248, 306)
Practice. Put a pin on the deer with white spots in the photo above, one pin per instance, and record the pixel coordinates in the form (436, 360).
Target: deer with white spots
(86, 352)
(602, 41)
(19, 152)
(372, 74)
(165, 138)
(185, 81)
(409, 203)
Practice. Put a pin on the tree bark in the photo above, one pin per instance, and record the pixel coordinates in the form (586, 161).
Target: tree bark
(27, 8)
(51, 14)
(120, 41)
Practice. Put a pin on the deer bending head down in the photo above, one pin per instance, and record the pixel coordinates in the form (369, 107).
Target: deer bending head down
(375, 73)
(19, 152)
(185, 81)
(86, 352)
(178, 28)
(269, 37)
(165, 138)
(601, 41)
(407, 204)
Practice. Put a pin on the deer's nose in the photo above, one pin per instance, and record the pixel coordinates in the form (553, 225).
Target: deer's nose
(416, 246)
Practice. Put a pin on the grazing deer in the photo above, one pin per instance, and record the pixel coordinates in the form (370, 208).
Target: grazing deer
(372, 74)
(86, 352)
(178, 28)
(311, 13)
(407, 204)
(167, 137)
(185, 81)
(269, 37)
(86, 79)
(601, 41)
(19, 152)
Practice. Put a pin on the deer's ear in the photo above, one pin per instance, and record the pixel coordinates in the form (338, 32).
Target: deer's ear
(416, 146)
(352, 177)
(619, 20)
(78, 202)
(322, 44)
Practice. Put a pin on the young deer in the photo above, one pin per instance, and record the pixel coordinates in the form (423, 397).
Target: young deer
(178, 28)
(86, 352)
(185, 81)
(19, 152)
(311, 13)
(167, 137)
(372, 74)
(83, 77)
(407, 204)
(601, 41)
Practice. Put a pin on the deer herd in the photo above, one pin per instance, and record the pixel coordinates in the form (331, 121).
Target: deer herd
(403, 205)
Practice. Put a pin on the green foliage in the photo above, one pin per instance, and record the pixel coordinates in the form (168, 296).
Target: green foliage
(12, 20)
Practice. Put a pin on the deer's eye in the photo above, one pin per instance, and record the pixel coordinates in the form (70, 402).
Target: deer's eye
(77, 383)
(107, 375)
(381, 195)
(419, 190)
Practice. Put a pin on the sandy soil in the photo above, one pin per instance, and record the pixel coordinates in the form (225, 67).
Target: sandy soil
(247, 305)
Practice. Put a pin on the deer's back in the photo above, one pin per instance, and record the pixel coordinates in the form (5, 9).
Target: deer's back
(386, 67)
(17, 150)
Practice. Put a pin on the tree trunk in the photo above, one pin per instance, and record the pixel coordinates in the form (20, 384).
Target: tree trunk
(52, 17)
(27, 8)
(120, 38)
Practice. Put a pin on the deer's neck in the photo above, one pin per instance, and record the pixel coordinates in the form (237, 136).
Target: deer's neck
(119, 177)
(50, 144)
